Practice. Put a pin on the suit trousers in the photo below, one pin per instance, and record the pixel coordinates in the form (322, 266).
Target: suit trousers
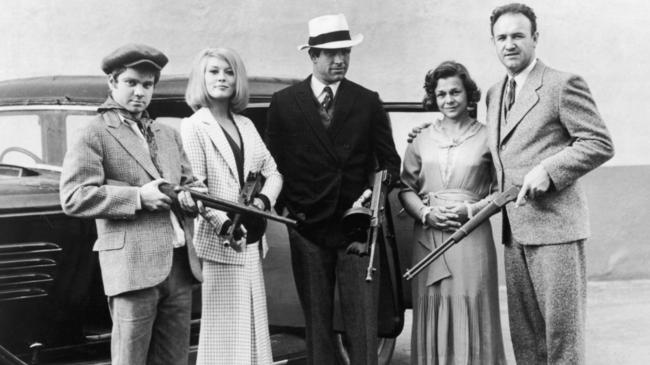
(547, 294)
(316, 270)
(152, 326)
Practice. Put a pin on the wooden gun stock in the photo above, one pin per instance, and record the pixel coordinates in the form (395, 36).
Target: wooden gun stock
(484, 214)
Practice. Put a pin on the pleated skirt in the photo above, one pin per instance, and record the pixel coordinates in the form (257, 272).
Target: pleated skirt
(234, 320)
(456, 319)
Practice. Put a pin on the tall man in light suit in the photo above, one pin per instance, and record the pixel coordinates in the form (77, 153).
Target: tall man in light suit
(328, 135)
(545, 132)
(111, 173)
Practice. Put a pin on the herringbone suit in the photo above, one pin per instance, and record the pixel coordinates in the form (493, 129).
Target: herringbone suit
(553, 122)
(147, 281)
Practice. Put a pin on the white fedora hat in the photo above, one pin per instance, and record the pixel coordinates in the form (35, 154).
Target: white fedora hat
(330, 32)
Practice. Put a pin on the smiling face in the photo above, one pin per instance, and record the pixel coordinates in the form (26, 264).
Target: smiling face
(219, 79)
(331, 65)
(451, 97)
(133, 90)
(514, 41)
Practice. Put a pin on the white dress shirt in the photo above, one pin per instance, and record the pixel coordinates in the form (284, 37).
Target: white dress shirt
(317, 88)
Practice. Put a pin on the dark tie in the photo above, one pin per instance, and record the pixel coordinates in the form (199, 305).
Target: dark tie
(327, 100)
(510, 94)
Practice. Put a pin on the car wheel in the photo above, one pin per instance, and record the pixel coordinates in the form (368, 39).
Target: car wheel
(385, 348)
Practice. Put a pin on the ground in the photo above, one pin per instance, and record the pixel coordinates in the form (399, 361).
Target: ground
(618, 325)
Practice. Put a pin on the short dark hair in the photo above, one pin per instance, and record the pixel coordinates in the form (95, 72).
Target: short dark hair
(443, 71)
(144, 68)
(314, 52)
(514, 8)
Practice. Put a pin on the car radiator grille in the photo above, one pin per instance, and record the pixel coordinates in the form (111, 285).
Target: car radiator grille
(27, 270)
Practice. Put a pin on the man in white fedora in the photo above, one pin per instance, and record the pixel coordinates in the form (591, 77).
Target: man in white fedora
(328, 135)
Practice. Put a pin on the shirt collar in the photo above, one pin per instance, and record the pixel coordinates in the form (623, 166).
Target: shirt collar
(521, 77)
(317, 86)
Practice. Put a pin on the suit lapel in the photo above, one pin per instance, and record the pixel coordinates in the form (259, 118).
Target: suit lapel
(305, 101)
(133, 144)
(345, 98)
(218, 138)
(525, 101)
(494, 113)
(247, 144)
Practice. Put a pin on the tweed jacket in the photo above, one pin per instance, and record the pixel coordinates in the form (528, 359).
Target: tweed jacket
(325, 170)
(102, 172)
(213, 162)
(553, 122)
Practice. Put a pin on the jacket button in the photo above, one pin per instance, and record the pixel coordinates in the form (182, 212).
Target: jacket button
(503, 147)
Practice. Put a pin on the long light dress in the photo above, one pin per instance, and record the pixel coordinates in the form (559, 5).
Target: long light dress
(455, 300)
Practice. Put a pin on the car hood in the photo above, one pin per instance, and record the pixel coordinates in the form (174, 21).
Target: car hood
(35, 191)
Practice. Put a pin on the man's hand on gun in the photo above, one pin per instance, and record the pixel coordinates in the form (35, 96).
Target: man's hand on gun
(152, 199)
(536, 182)
(356, 247)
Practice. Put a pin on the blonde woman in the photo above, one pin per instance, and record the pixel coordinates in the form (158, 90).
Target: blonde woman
(223, 147)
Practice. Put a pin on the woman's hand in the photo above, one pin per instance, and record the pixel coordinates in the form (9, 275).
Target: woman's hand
(443, 218)
(460, 209)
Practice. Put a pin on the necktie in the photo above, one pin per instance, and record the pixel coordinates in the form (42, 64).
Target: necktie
(327, 101)
(510, 94)
(144, 125)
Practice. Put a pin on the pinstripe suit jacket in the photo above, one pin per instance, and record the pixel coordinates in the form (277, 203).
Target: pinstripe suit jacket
(213, 162)
(102, 172)
(554, 122)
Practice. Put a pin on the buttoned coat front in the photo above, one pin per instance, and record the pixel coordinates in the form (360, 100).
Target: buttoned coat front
(102, 172)
(554, 122)
(213, 163)
(326, 169)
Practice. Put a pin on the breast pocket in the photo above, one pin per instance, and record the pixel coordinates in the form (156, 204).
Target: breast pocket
(109, 241)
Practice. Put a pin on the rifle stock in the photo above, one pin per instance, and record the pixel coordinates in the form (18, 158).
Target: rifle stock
(493, 207)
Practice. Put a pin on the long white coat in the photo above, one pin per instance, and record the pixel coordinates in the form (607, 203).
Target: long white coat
(213, 163)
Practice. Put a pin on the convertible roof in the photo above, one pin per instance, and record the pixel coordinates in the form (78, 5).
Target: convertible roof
(92, 90)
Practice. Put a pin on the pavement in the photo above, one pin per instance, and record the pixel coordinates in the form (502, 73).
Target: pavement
(618, 325)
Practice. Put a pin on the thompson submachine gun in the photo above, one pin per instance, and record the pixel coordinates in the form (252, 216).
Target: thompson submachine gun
(493, 207)
(224, 205)
(251, 188)
(364, 223)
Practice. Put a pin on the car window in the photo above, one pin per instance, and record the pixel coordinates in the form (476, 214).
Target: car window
(20, 137)
(403, 122)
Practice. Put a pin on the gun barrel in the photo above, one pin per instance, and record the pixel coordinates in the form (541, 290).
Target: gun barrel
(225, 205)
(484, 214)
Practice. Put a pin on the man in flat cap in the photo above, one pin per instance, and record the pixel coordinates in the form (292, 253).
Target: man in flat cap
(111, 173)
(328, 135)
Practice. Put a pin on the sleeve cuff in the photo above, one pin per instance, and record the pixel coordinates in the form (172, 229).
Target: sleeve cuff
(265, 199)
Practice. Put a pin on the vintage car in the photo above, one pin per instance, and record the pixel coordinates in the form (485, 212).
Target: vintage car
(52, 306)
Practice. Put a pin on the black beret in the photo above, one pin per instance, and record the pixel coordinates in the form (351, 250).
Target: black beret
(131, 55)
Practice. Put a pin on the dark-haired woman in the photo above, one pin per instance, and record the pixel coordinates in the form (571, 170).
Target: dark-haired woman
(448, 177)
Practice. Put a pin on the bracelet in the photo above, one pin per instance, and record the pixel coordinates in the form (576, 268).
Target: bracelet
(424, 212)
(470, 215)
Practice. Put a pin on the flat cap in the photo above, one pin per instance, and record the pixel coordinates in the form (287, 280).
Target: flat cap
(133, 54)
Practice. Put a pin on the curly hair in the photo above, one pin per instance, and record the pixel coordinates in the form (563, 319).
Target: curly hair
(514, 8)
(443, 71)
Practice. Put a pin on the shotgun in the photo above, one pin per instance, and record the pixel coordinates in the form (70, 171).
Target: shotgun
(493, 207)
